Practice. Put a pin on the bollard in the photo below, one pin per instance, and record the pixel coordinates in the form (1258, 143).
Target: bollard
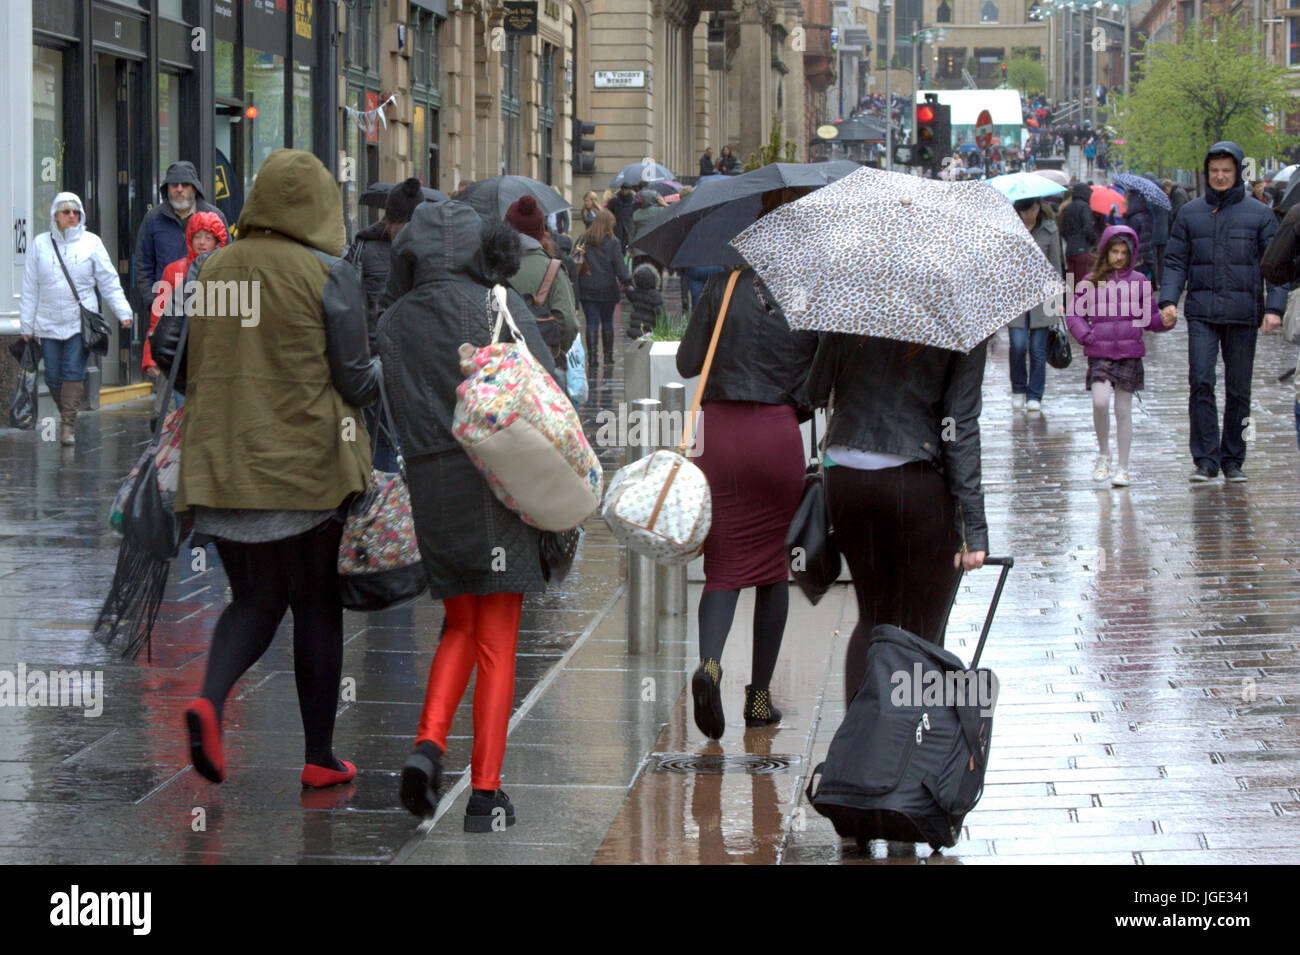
(643, 420)
(670, 582)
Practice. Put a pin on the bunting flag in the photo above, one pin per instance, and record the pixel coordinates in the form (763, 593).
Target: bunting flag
(368, 119)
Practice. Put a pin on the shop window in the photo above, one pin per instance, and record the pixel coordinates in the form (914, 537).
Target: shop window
(169, 119)
(303, 116)
(263, 90)
(48, 132)
(1293, 41)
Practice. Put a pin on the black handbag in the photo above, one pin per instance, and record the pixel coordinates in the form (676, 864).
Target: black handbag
(557, 550)
(1058, 347)
(811, 554)
(94, 329)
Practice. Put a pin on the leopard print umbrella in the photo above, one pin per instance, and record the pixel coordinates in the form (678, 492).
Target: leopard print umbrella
(893, 256)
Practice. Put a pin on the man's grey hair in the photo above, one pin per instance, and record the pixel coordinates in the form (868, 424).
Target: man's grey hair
(66, 205)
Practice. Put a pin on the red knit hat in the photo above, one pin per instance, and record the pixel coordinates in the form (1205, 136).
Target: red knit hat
(526, 216)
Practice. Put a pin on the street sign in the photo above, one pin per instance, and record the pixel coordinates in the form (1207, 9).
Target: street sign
(620, 79)
(984, 129)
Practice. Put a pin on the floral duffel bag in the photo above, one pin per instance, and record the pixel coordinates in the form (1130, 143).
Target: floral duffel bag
(522, 432)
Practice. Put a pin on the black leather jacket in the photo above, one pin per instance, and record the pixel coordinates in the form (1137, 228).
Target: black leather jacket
(927, 407)
(1078, 229)
(371, 252)
(353, 372)
(759, 358)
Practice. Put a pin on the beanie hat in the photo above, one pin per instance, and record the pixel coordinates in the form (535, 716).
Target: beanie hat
(402, 200)
(526, 216)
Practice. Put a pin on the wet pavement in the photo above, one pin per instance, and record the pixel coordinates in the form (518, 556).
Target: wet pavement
(1146, 646)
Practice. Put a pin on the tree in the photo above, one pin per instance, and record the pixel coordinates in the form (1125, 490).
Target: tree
(1210, 86)
(1025, 75)
(778, 148)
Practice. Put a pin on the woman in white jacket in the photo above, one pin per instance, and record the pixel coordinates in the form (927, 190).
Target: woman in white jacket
(49, 309)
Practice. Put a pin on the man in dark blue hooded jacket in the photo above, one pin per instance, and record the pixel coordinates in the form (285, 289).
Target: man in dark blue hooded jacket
(1215, 246)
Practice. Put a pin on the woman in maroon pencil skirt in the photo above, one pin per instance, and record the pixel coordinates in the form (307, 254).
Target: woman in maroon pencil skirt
(751, 451)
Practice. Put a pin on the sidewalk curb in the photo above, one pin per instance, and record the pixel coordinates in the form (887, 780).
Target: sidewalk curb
(449, 798)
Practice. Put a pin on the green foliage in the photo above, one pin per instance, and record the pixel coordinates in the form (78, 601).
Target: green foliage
(895, 62)
(1025, 75)
(1211, 85)
(778, 148)
(669, 326)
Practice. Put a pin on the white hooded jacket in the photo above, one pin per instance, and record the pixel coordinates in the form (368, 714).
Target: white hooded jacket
(48, 308)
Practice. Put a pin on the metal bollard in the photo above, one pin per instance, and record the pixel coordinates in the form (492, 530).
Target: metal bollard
(670, 582)
(643, 421)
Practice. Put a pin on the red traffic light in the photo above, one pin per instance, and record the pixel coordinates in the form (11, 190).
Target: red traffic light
(251, 112)
(924, 114)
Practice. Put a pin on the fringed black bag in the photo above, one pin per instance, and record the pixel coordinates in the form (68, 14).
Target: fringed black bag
(151, 537)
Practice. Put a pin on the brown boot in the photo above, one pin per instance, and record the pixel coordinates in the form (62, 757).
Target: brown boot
(69, 402)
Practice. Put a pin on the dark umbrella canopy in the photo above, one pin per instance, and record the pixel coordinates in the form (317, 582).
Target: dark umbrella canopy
(492, 197)
(376, 194)
(1149, 191)
(662, 238)
(861, 130)
(1291, 197)
(636, 172)
(706, 244)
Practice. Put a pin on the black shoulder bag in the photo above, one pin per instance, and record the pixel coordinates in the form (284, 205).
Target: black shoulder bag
(94, 329)
(810, 549)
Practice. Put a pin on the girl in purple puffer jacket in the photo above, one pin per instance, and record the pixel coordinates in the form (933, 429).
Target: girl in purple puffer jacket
(1112, 307)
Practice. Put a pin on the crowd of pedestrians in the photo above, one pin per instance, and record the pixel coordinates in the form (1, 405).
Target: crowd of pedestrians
(338, 330)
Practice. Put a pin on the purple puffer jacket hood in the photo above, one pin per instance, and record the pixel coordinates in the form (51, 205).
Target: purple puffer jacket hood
(1108, 320)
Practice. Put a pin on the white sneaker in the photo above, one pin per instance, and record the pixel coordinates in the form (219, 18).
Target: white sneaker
(1017, 402)
(1101, 470)
(1120, 479)
(1034, 406)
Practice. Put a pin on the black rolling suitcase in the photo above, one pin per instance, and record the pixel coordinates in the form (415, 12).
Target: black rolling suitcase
(907, 764)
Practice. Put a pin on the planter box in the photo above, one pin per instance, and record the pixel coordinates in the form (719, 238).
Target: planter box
(647, 366)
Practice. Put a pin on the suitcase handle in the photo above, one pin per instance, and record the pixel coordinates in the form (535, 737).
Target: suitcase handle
(812, 778)
(1006, 563)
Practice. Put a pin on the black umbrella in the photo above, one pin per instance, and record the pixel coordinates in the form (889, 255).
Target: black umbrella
(376, 194)
(662, 238)
(492, 197)
(1291, 197)
(860, 130)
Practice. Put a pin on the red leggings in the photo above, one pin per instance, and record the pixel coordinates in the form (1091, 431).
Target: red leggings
(482, 629)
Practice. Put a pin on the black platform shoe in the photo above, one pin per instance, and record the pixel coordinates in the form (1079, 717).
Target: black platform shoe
(422, 778)
(706, 690)
(489, 810)
(759, 710)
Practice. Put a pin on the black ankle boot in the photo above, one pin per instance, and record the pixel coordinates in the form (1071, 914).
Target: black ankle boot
(422, 778)
(706, 690)
(489, 810)
(759, 710)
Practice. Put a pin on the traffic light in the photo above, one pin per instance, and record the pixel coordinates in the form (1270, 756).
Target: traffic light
(933, 133)
(584, 149)
(1004, 74)
(923, 72)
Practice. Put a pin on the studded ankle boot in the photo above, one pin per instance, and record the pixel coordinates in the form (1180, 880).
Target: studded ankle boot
(706, 692)
(759, 710)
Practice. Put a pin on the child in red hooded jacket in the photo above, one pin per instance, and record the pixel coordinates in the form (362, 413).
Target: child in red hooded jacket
(203, 232)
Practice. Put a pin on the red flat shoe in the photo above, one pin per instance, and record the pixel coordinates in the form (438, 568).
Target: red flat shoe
(318, 777)
(205, 741)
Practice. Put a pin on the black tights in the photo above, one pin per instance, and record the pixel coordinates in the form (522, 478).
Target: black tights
(299, 574)
(771, 607)
(896, 530)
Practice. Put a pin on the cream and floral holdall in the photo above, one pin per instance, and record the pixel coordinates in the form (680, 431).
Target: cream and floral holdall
(522, 432)
(660, 506)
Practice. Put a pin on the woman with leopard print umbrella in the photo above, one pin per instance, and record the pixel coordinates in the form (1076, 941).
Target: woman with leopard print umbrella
(907, 278)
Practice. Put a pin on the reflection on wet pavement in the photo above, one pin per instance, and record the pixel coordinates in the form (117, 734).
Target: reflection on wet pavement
(1146, 647)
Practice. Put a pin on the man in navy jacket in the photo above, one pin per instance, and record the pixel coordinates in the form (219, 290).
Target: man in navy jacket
(1215, 246)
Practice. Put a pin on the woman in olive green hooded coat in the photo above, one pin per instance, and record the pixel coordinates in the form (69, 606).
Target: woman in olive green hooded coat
(276, 370)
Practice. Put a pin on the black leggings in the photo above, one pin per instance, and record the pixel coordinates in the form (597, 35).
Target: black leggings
(895, 529)
(771, 607)
(299, 574)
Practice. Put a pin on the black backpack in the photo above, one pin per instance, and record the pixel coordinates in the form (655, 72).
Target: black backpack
(908, 762)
